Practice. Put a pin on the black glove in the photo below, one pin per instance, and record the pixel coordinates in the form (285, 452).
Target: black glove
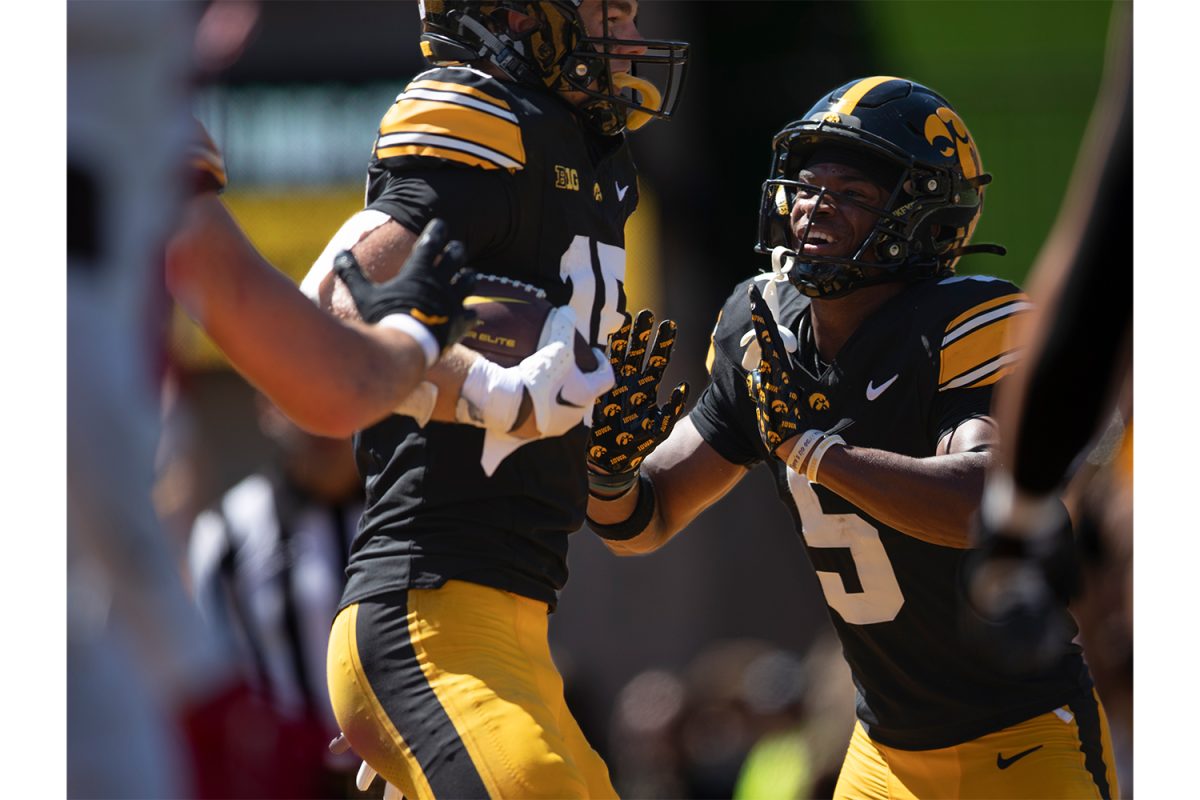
(432, 293)
(1016, 590)
(627, 422)
(779, 404)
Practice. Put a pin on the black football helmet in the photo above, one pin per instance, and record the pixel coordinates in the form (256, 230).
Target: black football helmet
(559, 54)
(912, 135)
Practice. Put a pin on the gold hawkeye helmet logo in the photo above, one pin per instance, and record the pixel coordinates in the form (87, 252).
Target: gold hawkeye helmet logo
(945, 130)
(818, 401)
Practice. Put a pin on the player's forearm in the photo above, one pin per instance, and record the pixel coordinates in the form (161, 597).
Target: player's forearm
(610, 512)
(687, 475)
(331, 378)
(931, 499)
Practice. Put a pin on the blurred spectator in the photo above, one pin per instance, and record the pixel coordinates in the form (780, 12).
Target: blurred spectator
(801, 754)
(746, 719)
(268, 566)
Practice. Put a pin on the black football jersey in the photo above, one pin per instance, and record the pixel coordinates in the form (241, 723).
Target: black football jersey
(924, 362)
(534, 196)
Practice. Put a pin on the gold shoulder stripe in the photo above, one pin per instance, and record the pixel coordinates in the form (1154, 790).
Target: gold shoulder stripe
(449, 149)
(857, 92)
(985, 374)
(995, 302)
(492, 137)
(965, 355)
(458, 88)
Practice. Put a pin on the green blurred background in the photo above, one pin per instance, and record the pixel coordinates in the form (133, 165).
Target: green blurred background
(1024, 75)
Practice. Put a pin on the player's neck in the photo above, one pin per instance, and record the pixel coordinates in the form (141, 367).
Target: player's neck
(834, 320)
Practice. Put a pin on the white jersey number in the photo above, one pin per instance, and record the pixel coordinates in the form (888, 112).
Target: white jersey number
(880, 599)
(597, 274)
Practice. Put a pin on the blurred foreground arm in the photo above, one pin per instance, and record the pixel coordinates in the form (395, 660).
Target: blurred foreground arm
(330, 377)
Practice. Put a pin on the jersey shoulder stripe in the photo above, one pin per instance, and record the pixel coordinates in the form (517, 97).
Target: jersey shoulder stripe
(455, 115)
(979, 345)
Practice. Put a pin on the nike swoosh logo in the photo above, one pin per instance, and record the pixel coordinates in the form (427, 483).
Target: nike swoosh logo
(621, 190)
(562, 401)
(874, 392)
(1005, 763)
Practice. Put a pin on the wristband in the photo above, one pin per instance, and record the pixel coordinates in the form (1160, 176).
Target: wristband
(808, 440)
(609, 487)
(407, 324)
(814, 463)
(490, 397)
(637, 521)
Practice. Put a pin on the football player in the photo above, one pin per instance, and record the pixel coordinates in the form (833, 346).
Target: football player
(439, 666)
(860, 370)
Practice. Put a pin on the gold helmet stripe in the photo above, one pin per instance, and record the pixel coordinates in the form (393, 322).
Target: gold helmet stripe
(856, 93)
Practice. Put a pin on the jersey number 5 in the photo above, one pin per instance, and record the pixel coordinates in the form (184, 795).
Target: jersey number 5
(597, 275)
(880, 599)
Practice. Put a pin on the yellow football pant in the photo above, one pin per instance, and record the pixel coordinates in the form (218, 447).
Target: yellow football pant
(451, 692)
(1064, 754)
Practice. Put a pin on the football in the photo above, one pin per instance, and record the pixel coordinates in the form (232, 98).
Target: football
(514, 322)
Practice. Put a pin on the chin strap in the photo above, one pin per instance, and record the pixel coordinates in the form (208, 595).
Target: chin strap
(993, 249)
(505, 53)
(781, 263)
(650, 96)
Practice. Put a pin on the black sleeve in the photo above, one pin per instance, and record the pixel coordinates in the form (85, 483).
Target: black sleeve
(477, 205)
(724, 412)
(953, 408)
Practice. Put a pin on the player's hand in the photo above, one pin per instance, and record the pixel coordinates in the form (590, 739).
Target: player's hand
(628, 422)
(779, 407)
(430, 287)
(1017, 583)
(563, 395)
(559, 392)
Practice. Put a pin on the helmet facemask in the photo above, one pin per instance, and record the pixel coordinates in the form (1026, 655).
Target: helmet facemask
(559, 54)
(651, 89)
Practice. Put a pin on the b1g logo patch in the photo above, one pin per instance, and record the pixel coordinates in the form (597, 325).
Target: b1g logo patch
(566, 178)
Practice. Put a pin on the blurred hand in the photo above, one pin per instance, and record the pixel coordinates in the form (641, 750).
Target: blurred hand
(1017, 585)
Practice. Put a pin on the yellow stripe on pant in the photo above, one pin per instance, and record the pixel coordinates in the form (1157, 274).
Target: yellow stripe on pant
(1064, 754)
(451, 692)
